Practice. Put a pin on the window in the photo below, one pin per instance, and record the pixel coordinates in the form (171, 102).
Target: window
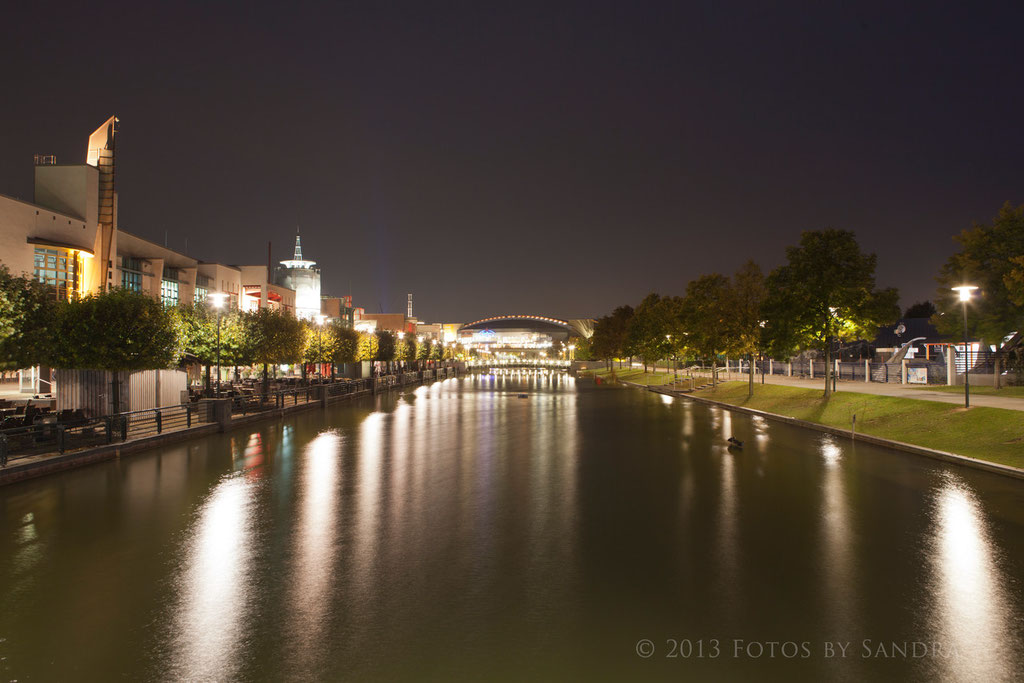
(131, 273)
(201, 294)
(169, 292)
(60, 268)
(132, 281)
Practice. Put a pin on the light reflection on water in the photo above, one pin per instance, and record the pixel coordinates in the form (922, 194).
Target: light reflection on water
(216, 585)
(463, 531)
(972, 618)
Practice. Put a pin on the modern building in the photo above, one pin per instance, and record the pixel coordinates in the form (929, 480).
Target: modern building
(150, 268)
(338, 308)
(302, 277)
(395, 322)
(220, 278)
(259, 292)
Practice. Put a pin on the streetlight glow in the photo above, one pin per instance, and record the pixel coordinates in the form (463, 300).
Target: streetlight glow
(217, 299)
(965, 295)
(964, 291)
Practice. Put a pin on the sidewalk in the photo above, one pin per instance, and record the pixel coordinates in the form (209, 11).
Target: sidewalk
(881, 389)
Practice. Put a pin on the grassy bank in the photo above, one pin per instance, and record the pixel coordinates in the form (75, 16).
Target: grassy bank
(1010, 392)
(636, 375)
(991, 434)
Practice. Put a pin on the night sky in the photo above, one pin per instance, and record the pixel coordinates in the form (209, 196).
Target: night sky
(555, 159)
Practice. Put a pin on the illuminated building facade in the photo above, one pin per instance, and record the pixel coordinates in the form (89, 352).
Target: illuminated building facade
(303, 277)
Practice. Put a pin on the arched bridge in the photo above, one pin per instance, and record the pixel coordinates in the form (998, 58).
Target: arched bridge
(556, 327)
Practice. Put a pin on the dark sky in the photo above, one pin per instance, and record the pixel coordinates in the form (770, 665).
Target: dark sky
(556, 159)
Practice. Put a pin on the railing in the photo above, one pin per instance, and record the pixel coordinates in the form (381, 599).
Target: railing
(49, 437)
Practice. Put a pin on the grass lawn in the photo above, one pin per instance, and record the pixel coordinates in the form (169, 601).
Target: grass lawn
(635, 375)
(992, 434)
(1012, 392)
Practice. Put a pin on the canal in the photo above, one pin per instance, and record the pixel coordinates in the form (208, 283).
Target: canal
(460, 531)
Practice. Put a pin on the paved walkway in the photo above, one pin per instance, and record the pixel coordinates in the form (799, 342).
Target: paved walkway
(901, 390)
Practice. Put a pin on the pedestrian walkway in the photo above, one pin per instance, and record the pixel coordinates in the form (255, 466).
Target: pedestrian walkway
(901, 390)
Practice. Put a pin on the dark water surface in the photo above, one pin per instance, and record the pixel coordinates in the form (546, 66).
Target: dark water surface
(458, 532)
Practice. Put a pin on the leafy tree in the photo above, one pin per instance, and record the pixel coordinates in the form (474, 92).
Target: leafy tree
(744, 320)
(609, 339)
(28, 315)
(276, 337)
(922, 309)
(583, 348)
(385, 345)
(346, 344)
(826, 292)
(405, 348)
(197, 335)
(366, 349)
(424, 349)
(116, 330)
(436, 350)
(1014, 281)
(654, 330)
(988, 258)
(705, 317)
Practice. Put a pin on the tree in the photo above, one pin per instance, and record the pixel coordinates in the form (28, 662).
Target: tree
(744, 319)
(116, 330)
(385, 345)
(366, 349)
(424, 349)
(704, 316)
(346, 345)
(609, 340)
(583, 350)
(922, 309)
(826, 293)
(405, 349)
(276, 337)
(28, 315)
(989, 258)
(654, 329)
(1014, 281)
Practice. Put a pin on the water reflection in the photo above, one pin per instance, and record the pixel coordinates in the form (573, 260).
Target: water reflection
(216, 585)
(973, 622)
(316, 548)
(838, 552)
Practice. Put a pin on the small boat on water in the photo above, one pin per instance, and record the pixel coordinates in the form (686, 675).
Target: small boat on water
(522, 396)
(734, 442)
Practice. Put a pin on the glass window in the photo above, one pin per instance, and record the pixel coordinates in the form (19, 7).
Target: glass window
(201, 295)
(131, 280)
(59, 268)
(169, 292)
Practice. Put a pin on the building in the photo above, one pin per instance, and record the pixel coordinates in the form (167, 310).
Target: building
(394, 322)
(338, 308)
(259, 292)
(153, 269)
(302, 277)
(220, 278)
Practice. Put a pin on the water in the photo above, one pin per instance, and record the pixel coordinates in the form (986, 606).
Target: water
(459, 532)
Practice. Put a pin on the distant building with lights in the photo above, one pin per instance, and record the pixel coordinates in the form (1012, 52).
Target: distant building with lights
(303, 277)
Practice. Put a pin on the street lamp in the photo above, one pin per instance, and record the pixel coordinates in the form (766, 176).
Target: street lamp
(217, 300)
(965, 295)
(760, 339)
(319, 344)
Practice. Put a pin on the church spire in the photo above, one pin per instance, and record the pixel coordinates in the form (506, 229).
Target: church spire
(298, 246)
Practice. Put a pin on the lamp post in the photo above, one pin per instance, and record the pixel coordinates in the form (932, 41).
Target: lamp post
(965, 295)
(319, 344)
(217, 300)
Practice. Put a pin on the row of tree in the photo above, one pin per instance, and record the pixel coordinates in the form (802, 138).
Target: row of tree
(824, 294)
(125, 330)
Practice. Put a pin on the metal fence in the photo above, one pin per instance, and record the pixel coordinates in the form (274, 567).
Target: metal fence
(48, 435)
(60, 432)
